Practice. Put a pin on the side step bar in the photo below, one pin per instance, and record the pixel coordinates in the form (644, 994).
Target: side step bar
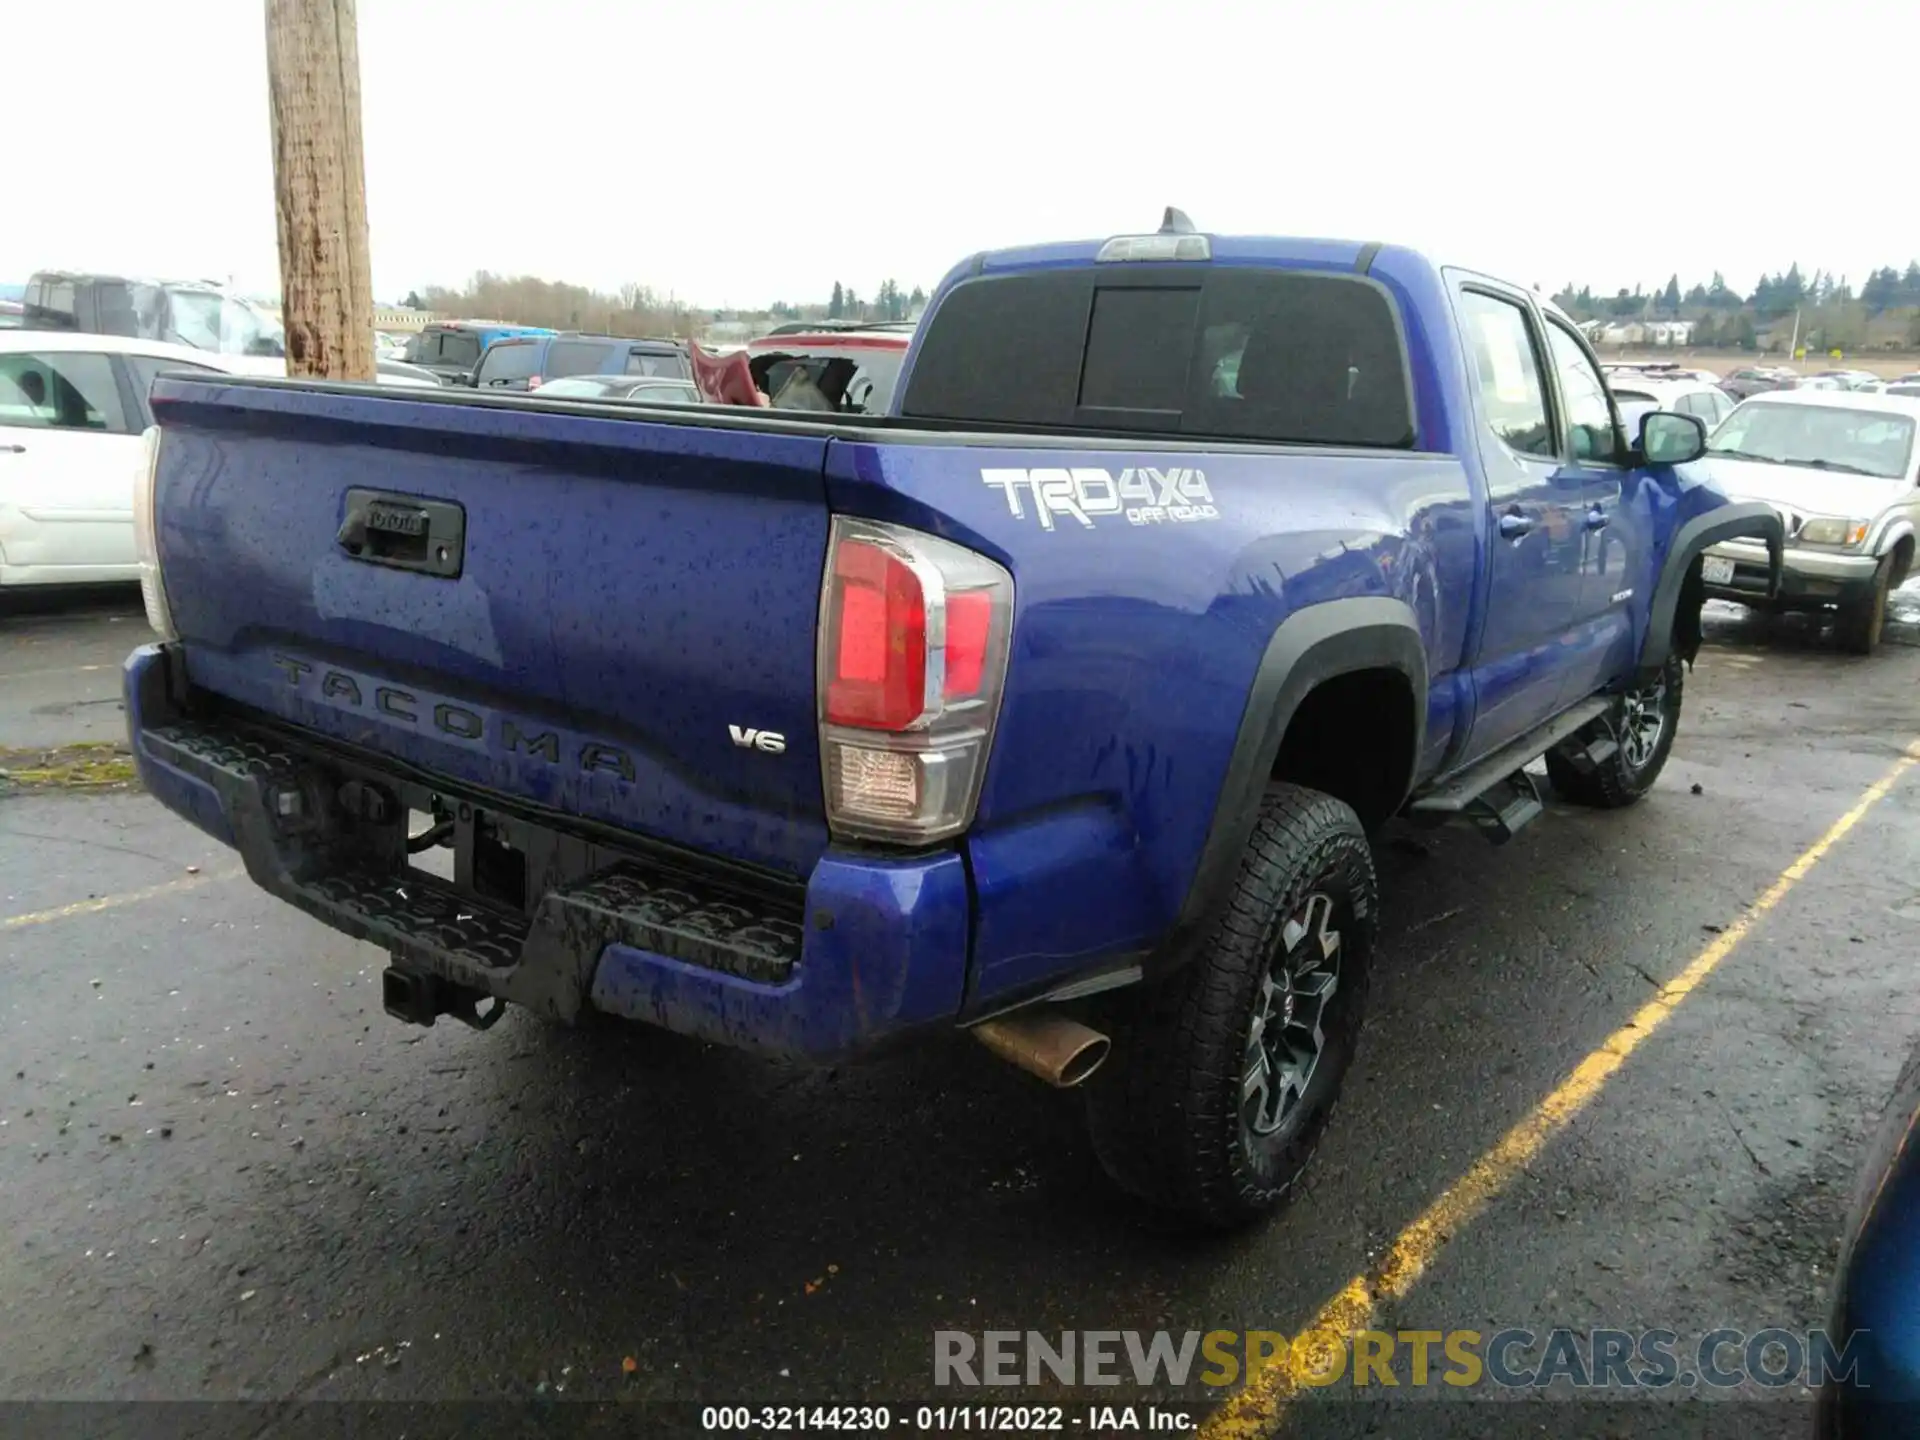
(1496, 794)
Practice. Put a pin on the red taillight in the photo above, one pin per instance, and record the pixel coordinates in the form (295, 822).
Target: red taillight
(915, 632)
(878, 640)
(969, 623)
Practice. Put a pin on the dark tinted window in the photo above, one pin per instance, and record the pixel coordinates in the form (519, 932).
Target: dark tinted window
(670, 364)
(1139, 345)
(1322, 360)
(458, 347)
(579, 357)
(508, 360)
(1005, 351)
(1507, 371)
(1239, 353)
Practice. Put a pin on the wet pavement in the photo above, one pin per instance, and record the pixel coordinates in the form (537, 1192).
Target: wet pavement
(225, 1173)
(60, 660)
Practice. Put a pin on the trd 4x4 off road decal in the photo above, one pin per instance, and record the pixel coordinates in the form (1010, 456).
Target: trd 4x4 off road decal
(1145, 496)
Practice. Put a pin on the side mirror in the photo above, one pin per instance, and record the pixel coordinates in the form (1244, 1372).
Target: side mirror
(1670, 438)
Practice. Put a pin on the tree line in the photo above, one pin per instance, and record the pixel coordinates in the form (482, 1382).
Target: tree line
(636, 310)
(633, 310)
(887, 304)
(1883, 312)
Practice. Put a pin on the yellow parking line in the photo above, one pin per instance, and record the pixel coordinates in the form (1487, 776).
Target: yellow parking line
(114, 902)
(1257, 1409)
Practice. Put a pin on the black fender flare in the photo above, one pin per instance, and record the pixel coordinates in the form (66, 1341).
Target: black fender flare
(1750, 519)
(1319, 643)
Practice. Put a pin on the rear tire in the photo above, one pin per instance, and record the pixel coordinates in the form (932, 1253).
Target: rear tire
(1642, 724)
(1860, 624)
(1223, 1076)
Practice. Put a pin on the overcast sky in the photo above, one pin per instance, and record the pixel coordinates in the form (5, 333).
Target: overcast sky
(745, 151)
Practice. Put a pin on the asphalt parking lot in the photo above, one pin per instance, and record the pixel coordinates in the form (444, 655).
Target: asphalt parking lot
(224, 1173)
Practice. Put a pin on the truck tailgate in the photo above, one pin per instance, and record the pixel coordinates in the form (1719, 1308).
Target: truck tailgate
(612, 617)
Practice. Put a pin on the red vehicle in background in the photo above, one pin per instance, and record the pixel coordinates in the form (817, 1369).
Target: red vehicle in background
(824, 368)
(821, 368)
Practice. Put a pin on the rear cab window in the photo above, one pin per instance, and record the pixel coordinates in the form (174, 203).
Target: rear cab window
(444, 347)
(1227, 352)
(507, 361)
(668, 364)
(578, 357)
(50, 305)
(458, 347)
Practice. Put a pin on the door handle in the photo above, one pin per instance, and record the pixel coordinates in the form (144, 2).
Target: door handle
(1597, 518)
(1513, 525)
(13, 449)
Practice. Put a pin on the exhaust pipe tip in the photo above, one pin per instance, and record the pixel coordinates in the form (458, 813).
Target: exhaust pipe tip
(1060, 1051)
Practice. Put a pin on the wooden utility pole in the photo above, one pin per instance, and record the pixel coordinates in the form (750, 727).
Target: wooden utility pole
(319, 188)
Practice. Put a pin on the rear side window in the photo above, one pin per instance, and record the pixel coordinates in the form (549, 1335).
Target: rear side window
(670, 365)
(508, 360)
(1233, 353)
(578, 357)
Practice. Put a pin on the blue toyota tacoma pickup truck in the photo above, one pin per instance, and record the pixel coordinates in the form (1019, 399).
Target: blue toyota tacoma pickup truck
(1059, 704)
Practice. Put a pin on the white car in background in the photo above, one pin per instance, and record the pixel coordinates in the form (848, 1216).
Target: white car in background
(1640, 392)
(72, 409)
(1843, 470)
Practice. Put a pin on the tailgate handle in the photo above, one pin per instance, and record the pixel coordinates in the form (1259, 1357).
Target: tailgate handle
(408, 532)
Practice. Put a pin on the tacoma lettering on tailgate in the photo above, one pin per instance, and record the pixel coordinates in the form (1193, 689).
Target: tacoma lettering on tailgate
(347, 691)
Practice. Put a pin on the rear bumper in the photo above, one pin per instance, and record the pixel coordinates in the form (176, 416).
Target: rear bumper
(868, 949)
(1811, 577)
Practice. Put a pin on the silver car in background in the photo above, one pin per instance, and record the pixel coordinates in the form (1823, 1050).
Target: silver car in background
(1843, 470)
(1640, 391)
